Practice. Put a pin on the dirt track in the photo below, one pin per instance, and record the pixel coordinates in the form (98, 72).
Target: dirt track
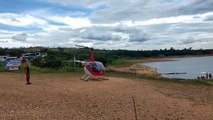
(59, 96)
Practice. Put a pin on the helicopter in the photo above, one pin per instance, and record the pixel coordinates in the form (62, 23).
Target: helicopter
(92, 67)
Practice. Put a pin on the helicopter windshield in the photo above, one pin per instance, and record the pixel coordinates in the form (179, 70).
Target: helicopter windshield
(100, 65)
(97, 66)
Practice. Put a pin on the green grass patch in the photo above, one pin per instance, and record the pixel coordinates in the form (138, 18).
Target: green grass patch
(66, 69)
(120, 63)
(2, 68)
(34, 69)
(37, 70)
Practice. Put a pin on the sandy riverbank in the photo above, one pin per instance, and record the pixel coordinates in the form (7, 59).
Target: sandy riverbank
(137, 67)
(65, 97)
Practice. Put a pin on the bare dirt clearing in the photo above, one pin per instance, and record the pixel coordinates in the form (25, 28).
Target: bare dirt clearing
(64, 96)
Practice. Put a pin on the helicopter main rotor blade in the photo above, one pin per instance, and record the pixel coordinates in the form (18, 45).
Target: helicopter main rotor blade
(85, 47)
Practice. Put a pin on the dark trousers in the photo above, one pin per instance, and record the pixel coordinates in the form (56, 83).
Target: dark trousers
(27, 78)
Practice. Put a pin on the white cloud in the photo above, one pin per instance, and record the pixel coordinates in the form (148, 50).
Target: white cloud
(85, 3)
(7, 41)
(140, 10)
(111, 24)
(11, 44)
(19, 20)
(184, 19)
(20, 37)
(72, 22)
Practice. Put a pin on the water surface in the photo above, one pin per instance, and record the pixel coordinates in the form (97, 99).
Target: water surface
(193, 67)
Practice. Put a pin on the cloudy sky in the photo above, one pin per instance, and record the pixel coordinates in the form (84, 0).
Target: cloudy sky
(107, 24)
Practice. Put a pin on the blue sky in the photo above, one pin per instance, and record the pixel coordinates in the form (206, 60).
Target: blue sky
(107, 24)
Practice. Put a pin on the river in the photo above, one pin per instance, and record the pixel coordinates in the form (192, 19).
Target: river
(184, 68)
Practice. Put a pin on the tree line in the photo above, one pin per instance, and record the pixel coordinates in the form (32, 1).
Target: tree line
(63, 57)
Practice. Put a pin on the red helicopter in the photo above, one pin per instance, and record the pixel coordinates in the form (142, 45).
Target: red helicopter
(92, 67)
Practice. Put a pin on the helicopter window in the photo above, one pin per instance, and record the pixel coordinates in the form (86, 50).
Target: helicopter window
(94, 67)
(100, 66)
(97, 67)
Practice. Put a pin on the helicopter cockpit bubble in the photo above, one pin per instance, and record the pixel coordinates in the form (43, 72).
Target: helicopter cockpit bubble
(97, 66)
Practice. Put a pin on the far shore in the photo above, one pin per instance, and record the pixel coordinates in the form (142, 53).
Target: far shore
(163, 58)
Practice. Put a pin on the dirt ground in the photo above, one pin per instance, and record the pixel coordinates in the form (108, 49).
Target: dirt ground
(65, 97)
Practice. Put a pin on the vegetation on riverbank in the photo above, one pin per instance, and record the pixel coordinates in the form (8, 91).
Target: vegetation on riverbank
(60, 57)
(60, 60)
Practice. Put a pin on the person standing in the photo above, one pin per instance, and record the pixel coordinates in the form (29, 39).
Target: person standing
(210, 76)
(27, 73)
(207, 75)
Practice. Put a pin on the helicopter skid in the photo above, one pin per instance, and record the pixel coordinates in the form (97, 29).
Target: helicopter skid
(101, 78)
(85, 77)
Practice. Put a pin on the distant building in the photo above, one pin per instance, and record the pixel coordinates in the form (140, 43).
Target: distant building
(3, 58)
(11, 58)
(31, 56)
